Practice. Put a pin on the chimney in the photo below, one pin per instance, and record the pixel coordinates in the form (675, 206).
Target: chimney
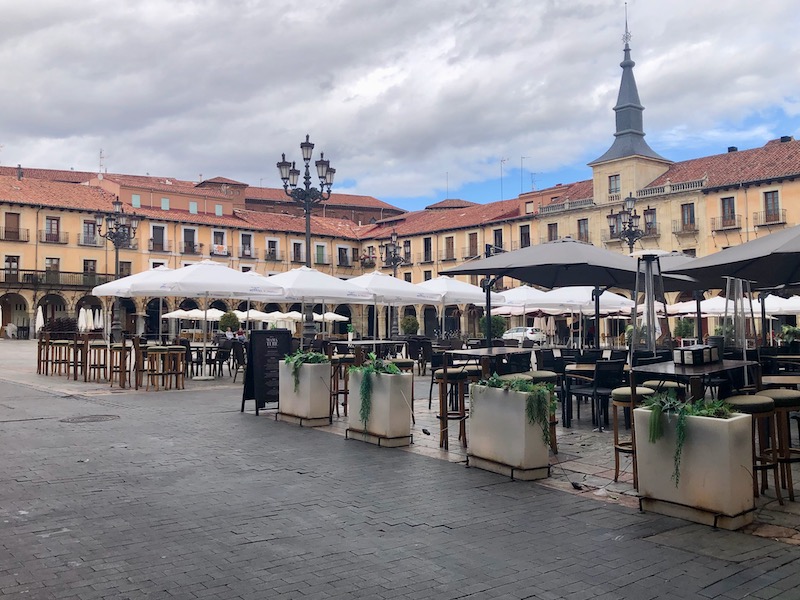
(19, 172)
(732, 149)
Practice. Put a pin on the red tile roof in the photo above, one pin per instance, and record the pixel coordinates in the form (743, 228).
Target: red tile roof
(278, 195)
(53, 194)
(774, 160)
(580, 190)
(222, 180)
(450, 203)
(49, 174)
(321, 226)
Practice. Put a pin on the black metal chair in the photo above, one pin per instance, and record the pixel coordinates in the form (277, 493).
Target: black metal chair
(239, 358)
(608, 375)
(222, 357)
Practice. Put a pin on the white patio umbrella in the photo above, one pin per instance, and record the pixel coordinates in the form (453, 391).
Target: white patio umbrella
(39, 322)
(121, 287)
(453, 291)
(579, 299)
(89, 320)
(100, 319)
(392, 291)
(82, 319)
(311, 286)
(176, 314)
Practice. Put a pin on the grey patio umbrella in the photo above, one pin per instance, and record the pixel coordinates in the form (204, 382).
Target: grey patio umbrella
(563, 263)
(772, 260)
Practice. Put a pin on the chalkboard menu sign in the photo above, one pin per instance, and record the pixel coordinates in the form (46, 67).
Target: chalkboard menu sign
(266, 348)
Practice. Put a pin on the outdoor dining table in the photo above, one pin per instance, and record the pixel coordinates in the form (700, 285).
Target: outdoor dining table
(394, 346)
(585, 370)
(486, 358)
(692, 374)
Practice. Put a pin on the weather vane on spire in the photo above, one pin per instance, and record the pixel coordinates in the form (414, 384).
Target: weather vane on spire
(626, 37)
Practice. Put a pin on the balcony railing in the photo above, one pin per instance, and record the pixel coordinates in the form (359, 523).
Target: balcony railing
(35, 279)
(423, 258)
(220, 250)
(770, 217)
(248, 252)
(14, 234)
(447, 255)
(723, 223)
(273, 255)
(368, 262)
(53, 238)
(344, 261)
(90, 240)
(299, 257)
(322, 260)
(159, 245)
(684, 228)
(190, 248)
(469, 252)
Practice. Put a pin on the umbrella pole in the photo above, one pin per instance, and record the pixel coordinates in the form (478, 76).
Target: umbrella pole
(596, 296)
(203, 376)
(160, 301)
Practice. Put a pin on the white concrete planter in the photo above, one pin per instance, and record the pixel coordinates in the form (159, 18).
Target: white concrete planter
(389, 422)
(311, 403)
(500, 437)
(716, 482)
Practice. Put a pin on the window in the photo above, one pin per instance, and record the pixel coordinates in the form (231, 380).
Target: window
(153, 264)
(529, 208)
(136, 201)
(12, 227)
(125, 267)
(246, 269)
(218, 246)
(473, 245)
(427, 275)
(164, 203)
(90, 266)
(12, 269)
(583, 230)
(89, 233)
(52, 264)
(427, 254)
(449, 248)
(247, 245)
(192, 208)
(690, 251)
(552, 232)
(272, 250)
(497, 235)
(354, 254)
(189, 241)
(772, 209)
(319, 253)
(157, 241)
(407, 277)
(613, 184)
(524, 236)
(650, 223)
(297, 252)
(687, 217)
(51, 229)
(342, 257)
(728, 212)
(218, 210)
(407, 250)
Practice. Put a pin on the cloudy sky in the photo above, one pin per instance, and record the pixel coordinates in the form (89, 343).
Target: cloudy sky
(412, 101)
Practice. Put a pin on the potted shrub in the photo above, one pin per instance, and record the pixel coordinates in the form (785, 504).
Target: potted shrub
(304, 383)
(409, 325)
(791, 337)
(380, 403)
(498, 326)
(694, 461)
(509, 427)
(684, 328)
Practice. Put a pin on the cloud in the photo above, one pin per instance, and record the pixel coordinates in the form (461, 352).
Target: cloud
(401, 96)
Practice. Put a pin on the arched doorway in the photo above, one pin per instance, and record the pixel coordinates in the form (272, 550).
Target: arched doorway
(219, 305)
(340, 327)
(452, 322)
(53, 307)
(16, 320)
(152, 313)
(430, 321)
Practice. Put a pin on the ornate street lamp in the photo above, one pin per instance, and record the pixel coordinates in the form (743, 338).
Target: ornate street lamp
(391, 257)
(625, 224)
(120, 229)
(307, 197)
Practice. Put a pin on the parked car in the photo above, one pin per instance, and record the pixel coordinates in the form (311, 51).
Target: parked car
(537, 336)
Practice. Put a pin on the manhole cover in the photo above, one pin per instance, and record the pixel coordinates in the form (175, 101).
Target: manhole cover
(89, 419)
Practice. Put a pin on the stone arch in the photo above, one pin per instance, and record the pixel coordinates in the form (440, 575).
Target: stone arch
(430, 320)
(151, 314)
(54, 306)
(16, 312)
(188, 304)
(340, 327)
(219, 305)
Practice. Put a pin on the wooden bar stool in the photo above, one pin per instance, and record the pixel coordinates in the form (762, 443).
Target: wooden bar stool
(61, 357)
(765, 441)
(155, 373)
(452, 403)
(118, 364)
(96, 361)
(43, 350)
(176, 367)
(786, 401)
(621, 398)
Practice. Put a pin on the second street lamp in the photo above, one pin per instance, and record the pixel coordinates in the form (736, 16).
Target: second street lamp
(120, 230)
(625, 224)
(307, 197)
(391, 257)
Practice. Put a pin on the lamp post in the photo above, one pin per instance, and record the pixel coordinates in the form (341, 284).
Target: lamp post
(120, 229)
(391, 257)
(627, 221)
(307, 197)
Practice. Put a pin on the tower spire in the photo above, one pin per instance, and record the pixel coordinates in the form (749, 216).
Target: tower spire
(629, 137)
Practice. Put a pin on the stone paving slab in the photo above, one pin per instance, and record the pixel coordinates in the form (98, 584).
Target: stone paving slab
(182, 496)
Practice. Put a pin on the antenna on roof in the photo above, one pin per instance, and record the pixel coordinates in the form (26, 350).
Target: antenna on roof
(102, 156)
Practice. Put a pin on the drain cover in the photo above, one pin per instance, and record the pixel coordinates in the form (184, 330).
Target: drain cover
(90, 419)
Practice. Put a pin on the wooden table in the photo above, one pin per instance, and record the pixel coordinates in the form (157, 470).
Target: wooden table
(484, 357)
(692, 374)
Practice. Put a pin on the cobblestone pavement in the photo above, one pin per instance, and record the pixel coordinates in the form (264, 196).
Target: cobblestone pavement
(122, 494)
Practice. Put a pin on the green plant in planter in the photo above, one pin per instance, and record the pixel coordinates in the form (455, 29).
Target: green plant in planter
(667, 404)
(300, 358)
(539, 405)
(498, 326)
(409, 325)
(229, 319)
(684, 328)
(372, 366)
(790, 333)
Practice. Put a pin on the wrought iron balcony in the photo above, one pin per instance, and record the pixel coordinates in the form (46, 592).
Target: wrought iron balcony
(684, 227)
(248, 252)
(46, 237)
(770, 217)
(14, 234)
(447, 255)
(220, 250)
(90, 240)
(37, 279)
(728, 222)
(273, 255)
(191, 248)
(159, 245)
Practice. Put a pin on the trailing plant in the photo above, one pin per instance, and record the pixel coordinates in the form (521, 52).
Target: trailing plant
(667, 403)
(372, 366)
(301, 357)
(540, 402)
